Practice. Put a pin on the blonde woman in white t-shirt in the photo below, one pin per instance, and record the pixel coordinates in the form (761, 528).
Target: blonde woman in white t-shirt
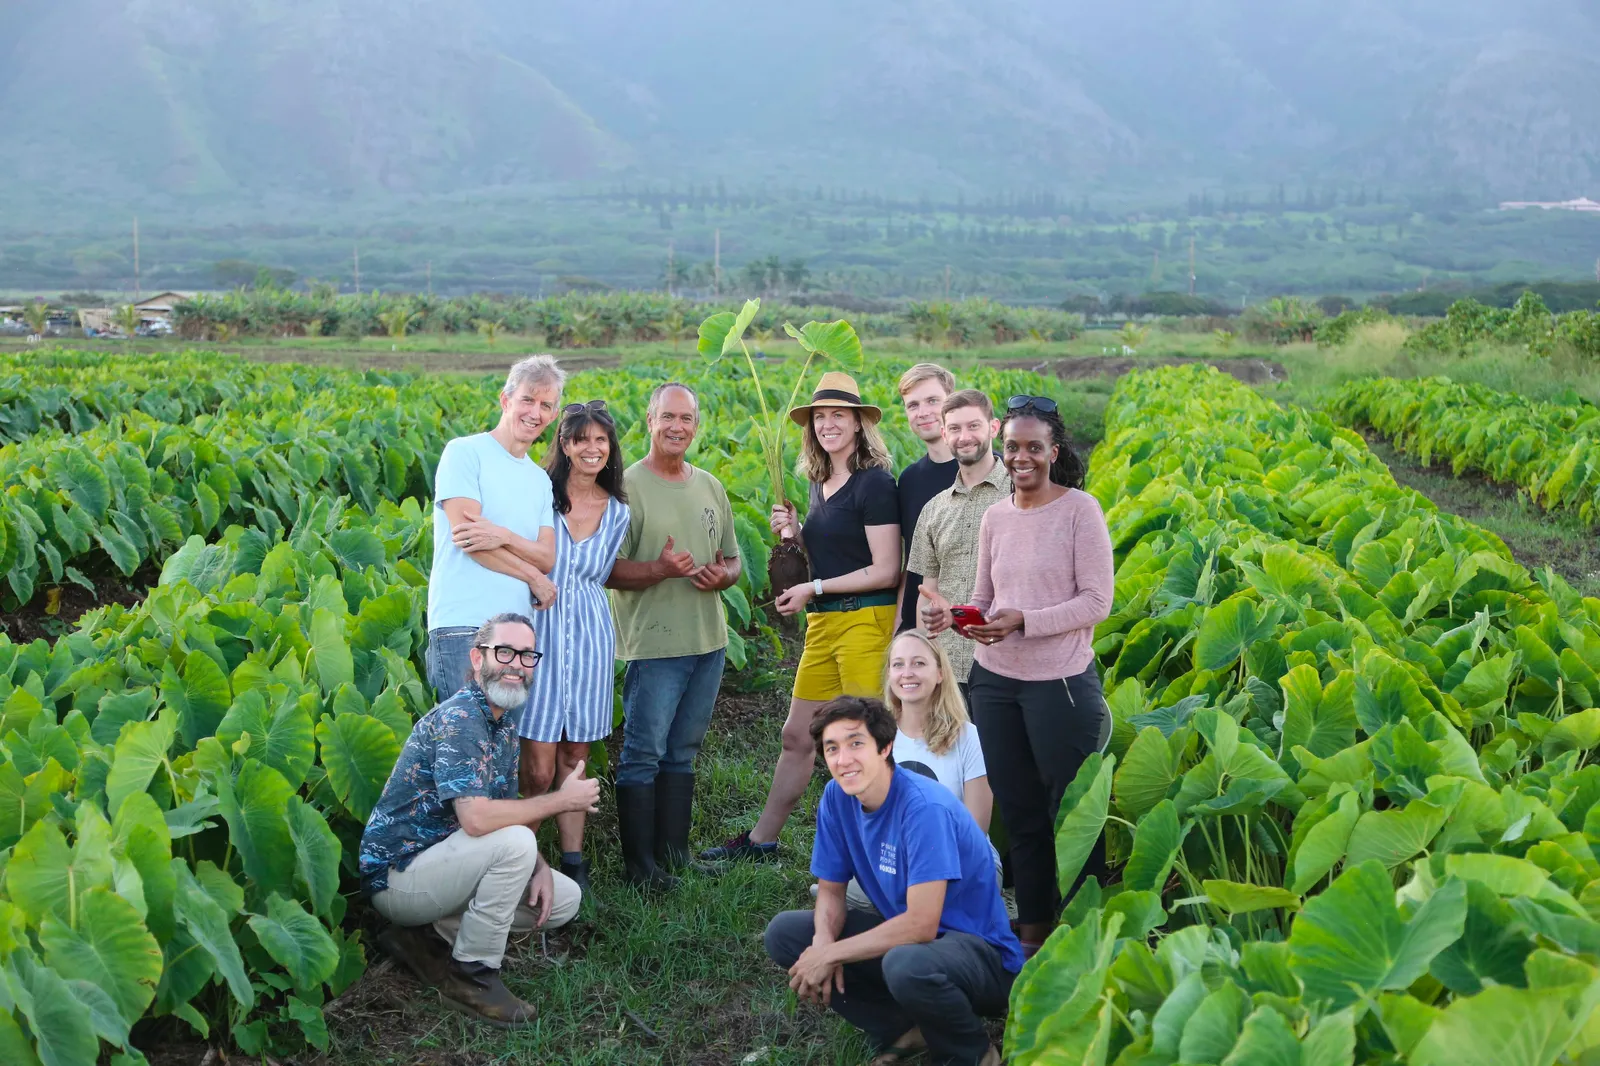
(936, 738)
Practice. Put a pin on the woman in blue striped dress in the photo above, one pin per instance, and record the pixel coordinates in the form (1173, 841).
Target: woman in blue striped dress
(570, 704)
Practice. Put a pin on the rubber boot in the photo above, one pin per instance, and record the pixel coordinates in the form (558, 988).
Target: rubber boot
(477, 991)
(636, 825)
(674, 816)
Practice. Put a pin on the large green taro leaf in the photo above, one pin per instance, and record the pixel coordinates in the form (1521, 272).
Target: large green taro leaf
(1321, 720)
(109, 947)
(1350, 939)
(46, 877)
(1490, 952)
(284, 739)
(200, 694)
(358, 752)
(1500, 1026)
(141, 749)
(1228, 630)
(1057, 1013)
(1082, 817)
(253, 805)
(1146, 774)
(330, 652)
(208, 923)
(297, 942)
(1324, 844)
(316, 854)
(1155, 847)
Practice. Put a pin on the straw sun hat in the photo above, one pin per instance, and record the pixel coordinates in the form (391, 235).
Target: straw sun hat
(837, 389)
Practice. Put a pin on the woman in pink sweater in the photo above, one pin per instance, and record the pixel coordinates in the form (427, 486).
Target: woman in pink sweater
(1044, 582)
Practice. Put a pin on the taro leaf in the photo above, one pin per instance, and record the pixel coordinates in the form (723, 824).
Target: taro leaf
(1141, 912)
(358, 752)
(46, 877)
(1575, 732)
(1168, 1024)
(140, 751)
(1214, 1025)
(1168, 719)
(1266, 963)
(117, 709)
(16, 1049)
(1386, 693)
(1082, 817)
(1394, 835)
(831, 340)
(55, 1014)
(1490, 952)
(200, 694)
(110, 948)
(1265, 1040)
(1236, 898)
(142, 837)
(1155, 847)
(714, 333)
(1500, 1026)
(1146, 774)
(285, 740)
(357, 549)
(253, 806)
(75, 473)
(207, 922)
(1325, 844)
(1331, 1042)
(1228, 630)
(1321, 720)
(121, 550)
(1483, 691)
(1351, 941)
(330, 652)
(316, 854)
(297, 942)
(205, 566)
(1056, 1001)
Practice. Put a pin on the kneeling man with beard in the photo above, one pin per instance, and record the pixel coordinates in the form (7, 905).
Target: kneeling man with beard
(449, 855)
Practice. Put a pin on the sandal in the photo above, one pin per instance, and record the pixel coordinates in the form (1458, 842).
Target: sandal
(897, 1052)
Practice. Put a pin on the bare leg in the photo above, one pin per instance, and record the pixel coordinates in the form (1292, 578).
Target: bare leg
(793, 773)
(536, 769)
(570, 824)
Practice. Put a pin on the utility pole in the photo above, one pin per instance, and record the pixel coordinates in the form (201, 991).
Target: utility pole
(716, 265)
(358, 269)
(669, 268)
(1597, 270)
(1191, 264)
(947, 282)
(135, 258)
(1155, 269)
(430, 277)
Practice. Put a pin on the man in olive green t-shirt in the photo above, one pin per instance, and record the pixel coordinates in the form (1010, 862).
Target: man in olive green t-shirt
(678, 556)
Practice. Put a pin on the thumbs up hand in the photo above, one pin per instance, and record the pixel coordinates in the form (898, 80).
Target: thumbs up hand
(674, 563)
(933, 610)
(582, 793)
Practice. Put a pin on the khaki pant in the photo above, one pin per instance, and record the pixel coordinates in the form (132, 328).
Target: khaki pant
(475, 892)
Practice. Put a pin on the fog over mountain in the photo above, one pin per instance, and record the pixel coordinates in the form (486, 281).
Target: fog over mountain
(329, 98)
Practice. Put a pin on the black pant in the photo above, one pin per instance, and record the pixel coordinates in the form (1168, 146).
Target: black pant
(944, 987)
(1035, 736)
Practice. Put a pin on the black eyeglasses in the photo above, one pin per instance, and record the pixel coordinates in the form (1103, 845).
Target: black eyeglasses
(597, 406)
(504, 653)
(1042, 404)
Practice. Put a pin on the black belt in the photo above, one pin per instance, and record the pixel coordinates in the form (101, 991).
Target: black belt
(854, 602)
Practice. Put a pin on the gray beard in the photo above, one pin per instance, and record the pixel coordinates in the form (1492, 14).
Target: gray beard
(507, 695)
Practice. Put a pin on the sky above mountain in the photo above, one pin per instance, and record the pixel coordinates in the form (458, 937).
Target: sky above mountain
(334, 99)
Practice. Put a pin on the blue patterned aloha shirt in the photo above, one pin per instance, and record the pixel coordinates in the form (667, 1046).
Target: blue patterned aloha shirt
(457, 749)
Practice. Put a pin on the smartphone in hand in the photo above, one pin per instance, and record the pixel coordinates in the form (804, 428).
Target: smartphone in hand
(964, 616)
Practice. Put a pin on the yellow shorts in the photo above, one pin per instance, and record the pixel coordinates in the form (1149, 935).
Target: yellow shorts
(845, 653)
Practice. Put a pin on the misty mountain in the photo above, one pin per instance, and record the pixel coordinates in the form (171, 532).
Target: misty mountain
(324, 99)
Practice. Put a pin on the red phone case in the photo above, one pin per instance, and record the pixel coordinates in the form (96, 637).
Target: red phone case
(967, 616)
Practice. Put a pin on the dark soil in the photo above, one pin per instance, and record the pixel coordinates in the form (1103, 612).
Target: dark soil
(71, 602)
(1251, 371)
(1536, 538)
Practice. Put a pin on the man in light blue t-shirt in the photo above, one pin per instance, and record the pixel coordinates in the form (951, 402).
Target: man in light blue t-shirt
(494, 538)
(939, 955)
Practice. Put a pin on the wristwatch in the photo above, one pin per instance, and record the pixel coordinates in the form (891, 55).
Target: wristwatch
(816, 587)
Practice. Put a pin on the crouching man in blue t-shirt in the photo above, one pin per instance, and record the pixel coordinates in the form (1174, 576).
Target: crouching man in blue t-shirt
(943, 955)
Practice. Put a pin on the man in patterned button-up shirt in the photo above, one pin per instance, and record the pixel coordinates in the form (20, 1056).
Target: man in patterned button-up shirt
(448, 854)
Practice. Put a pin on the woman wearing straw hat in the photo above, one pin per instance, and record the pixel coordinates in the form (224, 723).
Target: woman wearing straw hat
(852, 539)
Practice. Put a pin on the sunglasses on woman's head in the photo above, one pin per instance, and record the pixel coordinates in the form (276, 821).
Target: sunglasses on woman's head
(598, 406)
(1042, 404)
